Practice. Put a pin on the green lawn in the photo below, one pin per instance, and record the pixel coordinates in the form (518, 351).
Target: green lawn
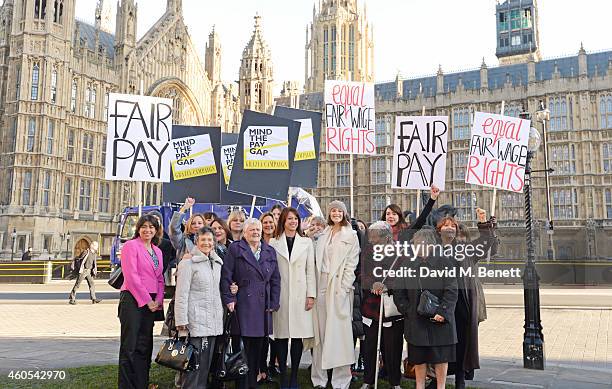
(105, 377)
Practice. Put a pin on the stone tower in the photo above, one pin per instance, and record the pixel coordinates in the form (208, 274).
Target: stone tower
(213, 57)
(339, 44)
(103, 16)
(518, 34)
(256, 74)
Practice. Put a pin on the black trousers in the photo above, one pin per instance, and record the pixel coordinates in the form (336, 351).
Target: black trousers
(392, 344)
(282, 348)
(136, 342)
(86, 275)
(461, 321)
(252, 347)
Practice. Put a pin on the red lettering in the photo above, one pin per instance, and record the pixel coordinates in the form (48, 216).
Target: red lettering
(329, 139)
(473, 163)
(486, 124)
(335, 93)
(519, 173)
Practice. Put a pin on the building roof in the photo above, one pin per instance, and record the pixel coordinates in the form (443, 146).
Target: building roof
(517, 75)
(88, 32)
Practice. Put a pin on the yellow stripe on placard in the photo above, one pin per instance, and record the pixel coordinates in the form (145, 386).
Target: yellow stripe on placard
(195, 172)
(195, 155)
(226, 176)
(266, 164)
(304, 155)
(309, 135)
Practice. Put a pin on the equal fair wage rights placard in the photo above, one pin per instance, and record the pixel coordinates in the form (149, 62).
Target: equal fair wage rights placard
(138, 142)
(349, 118)
(498, 152)
(419, 152)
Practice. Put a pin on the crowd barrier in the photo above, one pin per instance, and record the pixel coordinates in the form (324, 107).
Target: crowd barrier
(564, 272)
(42, 272)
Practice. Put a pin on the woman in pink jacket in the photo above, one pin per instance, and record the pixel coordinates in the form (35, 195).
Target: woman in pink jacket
(142, 295)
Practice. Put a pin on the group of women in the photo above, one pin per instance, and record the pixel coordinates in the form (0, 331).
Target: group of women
(287, 290)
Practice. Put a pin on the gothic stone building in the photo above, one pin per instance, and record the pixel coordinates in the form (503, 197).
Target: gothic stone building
(55, 78)
(577, 90)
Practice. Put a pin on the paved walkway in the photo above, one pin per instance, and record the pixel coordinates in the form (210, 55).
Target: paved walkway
(53, 334)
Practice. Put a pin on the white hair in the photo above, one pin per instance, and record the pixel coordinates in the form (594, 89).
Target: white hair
(252, 221)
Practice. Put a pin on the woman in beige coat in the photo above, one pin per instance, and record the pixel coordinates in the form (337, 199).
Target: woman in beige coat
(336, 257)
(295, 256)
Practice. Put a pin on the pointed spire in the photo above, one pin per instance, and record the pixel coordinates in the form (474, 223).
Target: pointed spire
(440, 72)
(483, 65)
(582, 50)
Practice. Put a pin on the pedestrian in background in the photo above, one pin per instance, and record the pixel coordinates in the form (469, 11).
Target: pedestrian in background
(141, 297)
(85, 268)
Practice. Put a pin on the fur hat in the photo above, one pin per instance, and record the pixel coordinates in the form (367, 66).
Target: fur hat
(339, 205)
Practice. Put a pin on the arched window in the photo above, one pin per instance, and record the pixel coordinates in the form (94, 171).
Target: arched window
(54, 85)
(40, 9)
(35, 79)
(73, 96)
(608, 204)
(58, 11)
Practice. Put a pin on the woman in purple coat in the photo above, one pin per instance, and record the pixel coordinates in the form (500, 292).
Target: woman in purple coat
(251, 264)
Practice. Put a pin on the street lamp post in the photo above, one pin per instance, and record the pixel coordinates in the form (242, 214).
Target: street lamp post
(13, 236)
(67, 239)
(533, 339)
(543, 115)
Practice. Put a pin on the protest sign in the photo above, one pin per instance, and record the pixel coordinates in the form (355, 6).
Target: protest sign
(266, 147)
(304, 172)
(419, 152)
(195, 164)
(260, 174)
(227, 161)
(193, 157)
(228, 153)
(349, 118)
(139, 132)
(498, 152)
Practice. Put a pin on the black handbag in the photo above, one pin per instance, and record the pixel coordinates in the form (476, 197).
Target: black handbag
(178, 354)
(231, 361)
(116, 278)
(428, 303)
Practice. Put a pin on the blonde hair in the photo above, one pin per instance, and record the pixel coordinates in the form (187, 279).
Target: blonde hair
(234, 215)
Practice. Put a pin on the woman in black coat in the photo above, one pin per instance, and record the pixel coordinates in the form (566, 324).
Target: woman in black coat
(431, 340)
(467, 307)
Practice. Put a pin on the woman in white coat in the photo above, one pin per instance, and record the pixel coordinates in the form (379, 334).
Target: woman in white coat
(295, 256)
(336, 257)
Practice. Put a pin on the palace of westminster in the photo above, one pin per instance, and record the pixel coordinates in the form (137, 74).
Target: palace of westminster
(56, 73)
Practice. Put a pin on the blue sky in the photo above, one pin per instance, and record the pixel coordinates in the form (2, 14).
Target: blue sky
(410, 36)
